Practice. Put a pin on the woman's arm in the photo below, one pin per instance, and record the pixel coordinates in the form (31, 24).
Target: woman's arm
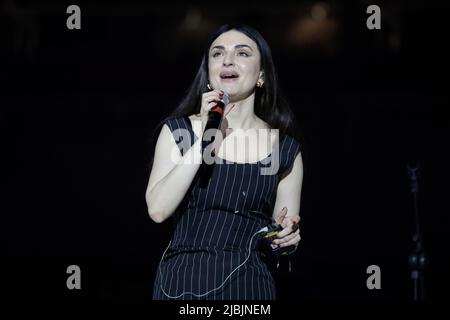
(288, 195)
(171, 175)
(289, 190)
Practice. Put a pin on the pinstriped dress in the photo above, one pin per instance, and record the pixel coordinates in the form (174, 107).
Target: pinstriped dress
(213, 227)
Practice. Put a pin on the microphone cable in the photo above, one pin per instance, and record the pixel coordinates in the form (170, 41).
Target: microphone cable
(265, 229)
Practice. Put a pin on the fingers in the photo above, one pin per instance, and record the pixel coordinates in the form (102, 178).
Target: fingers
(285, 238)
(210, 105)
(215, 91)
(213, 95)
(293, 241)
(290, 224)
(286, 230)
(209, 100)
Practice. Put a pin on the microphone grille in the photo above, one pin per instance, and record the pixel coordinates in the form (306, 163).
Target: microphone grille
(225, 98)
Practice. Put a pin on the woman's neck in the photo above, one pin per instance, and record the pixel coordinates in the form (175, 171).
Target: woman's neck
(242, 116)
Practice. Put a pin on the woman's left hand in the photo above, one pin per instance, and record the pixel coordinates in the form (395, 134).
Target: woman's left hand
(290, 235)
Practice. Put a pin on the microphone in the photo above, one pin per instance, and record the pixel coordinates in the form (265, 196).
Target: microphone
(214, 118)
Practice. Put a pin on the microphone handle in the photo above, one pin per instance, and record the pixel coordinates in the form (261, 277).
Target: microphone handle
(214, 119)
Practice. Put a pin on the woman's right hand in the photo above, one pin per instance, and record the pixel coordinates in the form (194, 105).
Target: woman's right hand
(209, 100)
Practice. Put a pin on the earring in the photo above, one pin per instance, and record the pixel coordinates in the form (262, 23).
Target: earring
(259, 84)
(209, 86)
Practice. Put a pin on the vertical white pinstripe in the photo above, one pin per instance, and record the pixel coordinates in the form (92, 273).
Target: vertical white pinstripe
(231, 259)
(247, 220)
(267, 181)
(259, 201)
(232, 224)
(227, 216)
(251, 206)
(258, 265)
(288, 153)
(214, 229)
(206, 227)
(196, 234)
(233, 216)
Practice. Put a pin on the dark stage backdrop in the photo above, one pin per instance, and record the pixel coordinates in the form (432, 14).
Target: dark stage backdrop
(77, 109)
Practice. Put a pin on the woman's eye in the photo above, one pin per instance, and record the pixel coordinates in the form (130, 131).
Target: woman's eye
(241, 53)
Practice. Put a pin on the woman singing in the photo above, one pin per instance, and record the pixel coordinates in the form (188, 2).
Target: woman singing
(215, 249)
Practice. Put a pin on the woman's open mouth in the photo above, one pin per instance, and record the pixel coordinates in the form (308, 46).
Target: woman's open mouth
(229, 76)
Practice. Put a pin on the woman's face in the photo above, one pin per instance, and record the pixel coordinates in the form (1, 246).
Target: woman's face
(234, 64)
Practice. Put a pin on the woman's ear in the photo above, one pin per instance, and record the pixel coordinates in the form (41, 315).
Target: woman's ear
(261, 77)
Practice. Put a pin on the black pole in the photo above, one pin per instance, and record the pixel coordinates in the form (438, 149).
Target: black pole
(417, 259)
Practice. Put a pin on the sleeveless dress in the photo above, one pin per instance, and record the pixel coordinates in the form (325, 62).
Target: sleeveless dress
(214, 225)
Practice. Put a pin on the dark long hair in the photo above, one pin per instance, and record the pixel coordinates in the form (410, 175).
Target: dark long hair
(270, 104)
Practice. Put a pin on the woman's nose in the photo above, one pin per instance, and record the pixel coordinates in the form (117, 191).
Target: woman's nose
(228, 59)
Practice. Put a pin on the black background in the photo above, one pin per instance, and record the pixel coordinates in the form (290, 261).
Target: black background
(78, 108)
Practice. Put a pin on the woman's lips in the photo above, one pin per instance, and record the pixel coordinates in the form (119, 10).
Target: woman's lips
(227, 80)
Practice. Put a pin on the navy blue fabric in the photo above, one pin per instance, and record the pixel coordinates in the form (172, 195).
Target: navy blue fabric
(213, 227)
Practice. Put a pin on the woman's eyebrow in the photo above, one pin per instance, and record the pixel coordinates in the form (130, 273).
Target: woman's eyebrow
(236, 47)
